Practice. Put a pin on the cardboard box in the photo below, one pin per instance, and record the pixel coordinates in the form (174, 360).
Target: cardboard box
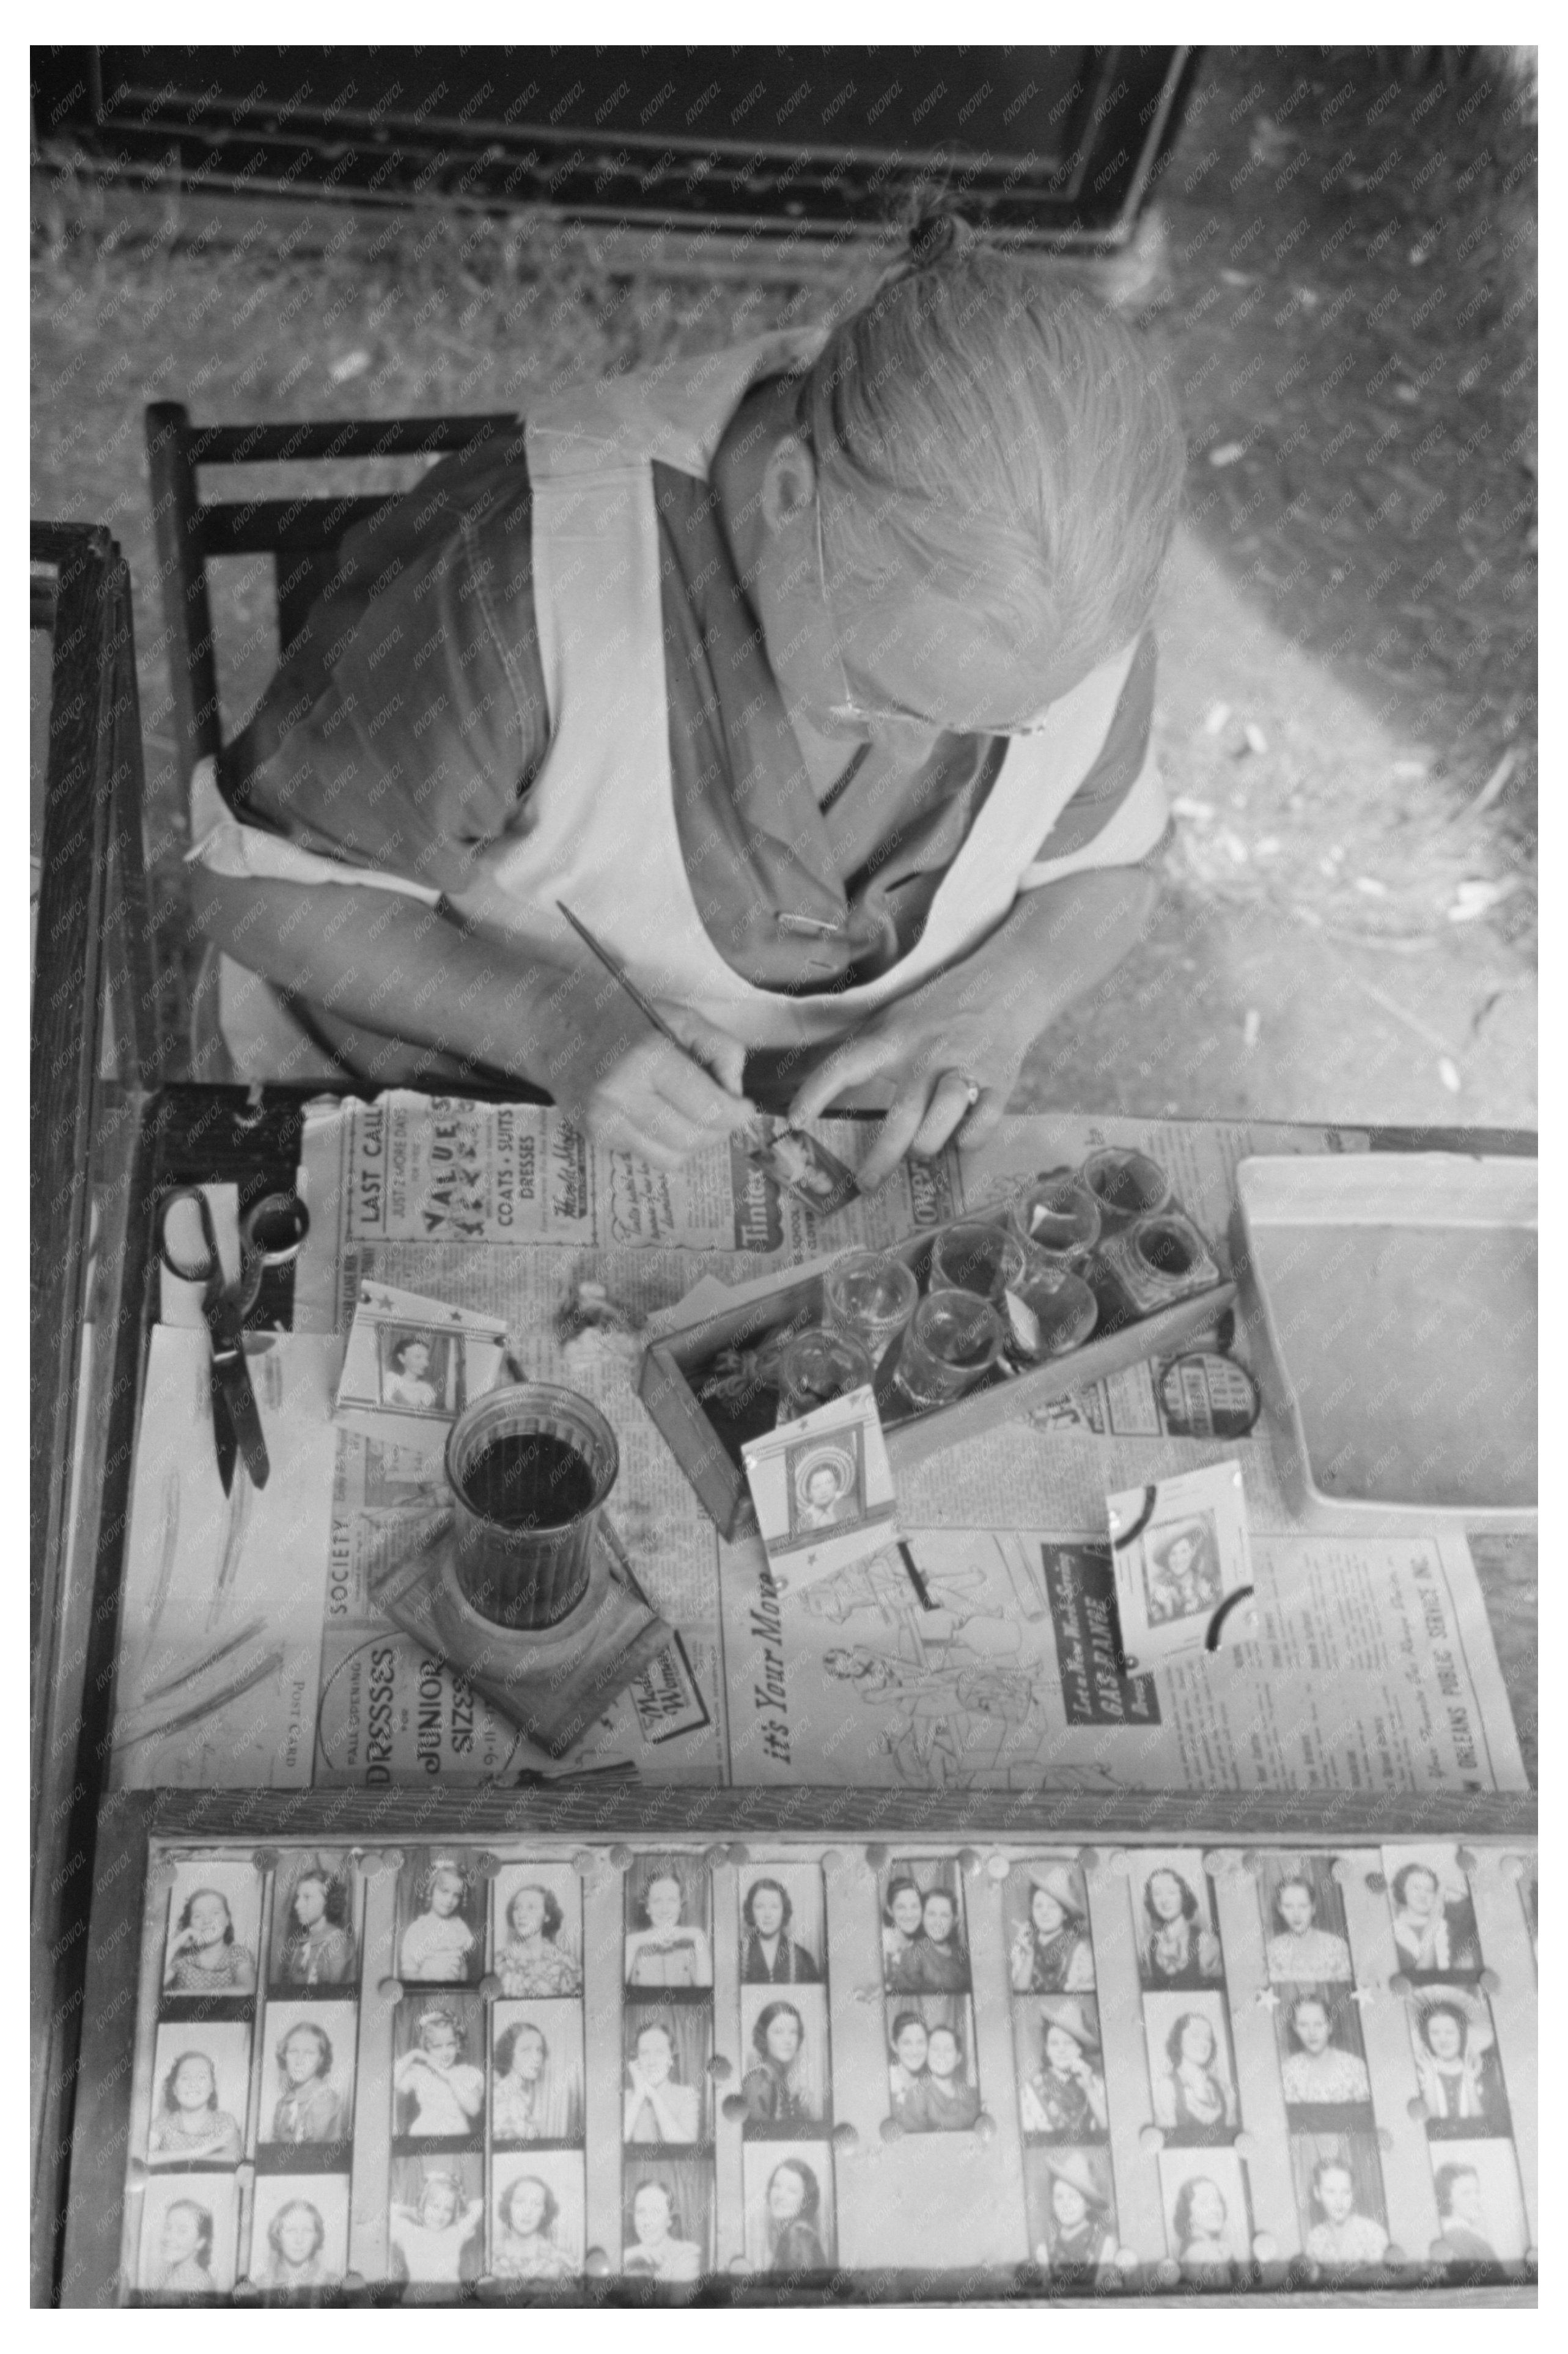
(707, 1447)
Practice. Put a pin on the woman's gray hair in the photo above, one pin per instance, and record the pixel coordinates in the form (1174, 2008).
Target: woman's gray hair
(986, 427)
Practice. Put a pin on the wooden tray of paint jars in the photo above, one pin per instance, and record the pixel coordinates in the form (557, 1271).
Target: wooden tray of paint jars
(706, 1435)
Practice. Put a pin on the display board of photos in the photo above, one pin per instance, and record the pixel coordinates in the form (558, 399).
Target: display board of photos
(480, 2069)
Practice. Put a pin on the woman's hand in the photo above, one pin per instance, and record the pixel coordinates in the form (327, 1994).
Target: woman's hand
(627, 1087)
(936, 1046)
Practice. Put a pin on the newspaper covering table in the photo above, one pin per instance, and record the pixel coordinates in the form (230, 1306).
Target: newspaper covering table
(1365, 1664)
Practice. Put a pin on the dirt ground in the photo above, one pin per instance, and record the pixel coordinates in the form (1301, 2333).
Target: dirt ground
(1342, 265)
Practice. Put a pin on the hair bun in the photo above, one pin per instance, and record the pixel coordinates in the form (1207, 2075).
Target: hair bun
(936, 237)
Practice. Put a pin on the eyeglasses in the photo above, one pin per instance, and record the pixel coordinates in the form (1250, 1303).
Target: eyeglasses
(851, 711)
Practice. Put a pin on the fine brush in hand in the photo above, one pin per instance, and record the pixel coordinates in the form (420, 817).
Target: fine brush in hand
(645, 1005)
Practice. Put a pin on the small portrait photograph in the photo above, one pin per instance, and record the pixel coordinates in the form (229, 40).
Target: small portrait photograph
(440, 1914)
(790, 2208)
(537, 2228)
(1173, 1920)
(924, 1944)
(299, 2232)
(1322, 2056)
(307, 2094)
(1047, 1925)
(1480, 2208)
(315, 1931)
(783, 1926)
(537, 1930)
(1208, 2227)
(1433, 1919)
(931, 2078)
(215, 1921)
(1072, 2210)
(1338, 2197)
(665, 2087)
(189, 2224)
(824, 1483)
(536, 2072)
(1457, 2070)
(1182, 1575)
(420, 1369)
(1190, 2066)
(201, 2085)
(798, 1164)
(437, 2074)
(435, 2222)
(667, 2218)
(668, 1927)
(786, 2080)
(1305, 1937)
(1061, 2068)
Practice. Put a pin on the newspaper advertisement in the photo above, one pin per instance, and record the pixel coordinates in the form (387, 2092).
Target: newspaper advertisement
(998, 1676)
(975, 1658)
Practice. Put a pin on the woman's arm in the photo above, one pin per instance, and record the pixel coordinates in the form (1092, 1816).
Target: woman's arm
(411, 972)
(980, 1016)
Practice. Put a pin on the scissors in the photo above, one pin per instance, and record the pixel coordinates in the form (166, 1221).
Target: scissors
(271, 1234)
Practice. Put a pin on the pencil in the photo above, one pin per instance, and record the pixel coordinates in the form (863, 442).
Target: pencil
(644, 1005)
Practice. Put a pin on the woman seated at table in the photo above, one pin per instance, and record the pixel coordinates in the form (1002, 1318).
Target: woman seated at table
(813, 675)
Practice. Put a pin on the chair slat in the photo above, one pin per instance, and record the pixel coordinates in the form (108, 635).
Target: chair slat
(351, 436)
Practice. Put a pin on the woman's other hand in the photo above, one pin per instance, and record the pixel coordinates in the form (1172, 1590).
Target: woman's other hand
(627, 1087)
(935, 1046)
